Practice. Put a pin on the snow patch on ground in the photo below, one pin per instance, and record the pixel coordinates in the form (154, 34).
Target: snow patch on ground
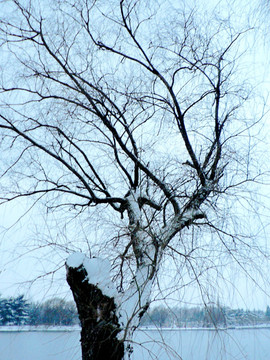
(39, 328)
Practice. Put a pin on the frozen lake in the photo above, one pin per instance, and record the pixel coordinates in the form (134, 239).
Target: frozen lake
(233, 344)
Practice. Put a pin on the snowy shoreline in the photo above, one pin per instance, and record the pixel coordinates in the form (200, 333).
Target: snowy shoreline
(43, 328)
(39, 328)
(238, 327)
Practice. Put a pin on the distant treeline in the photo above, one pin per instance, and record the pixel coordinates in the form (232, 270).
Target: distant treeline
(209, 316)
(18, 311)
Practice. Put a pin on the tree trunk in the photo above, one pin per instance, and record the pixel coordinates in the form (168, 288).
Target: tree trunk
(97, 313)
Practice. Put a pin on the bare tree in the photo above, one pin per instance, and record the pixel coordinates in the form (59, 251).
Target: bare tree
(133, 107)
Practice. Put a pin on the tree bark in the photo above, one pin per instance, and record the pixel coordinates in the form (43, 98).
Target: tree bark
(99, 322)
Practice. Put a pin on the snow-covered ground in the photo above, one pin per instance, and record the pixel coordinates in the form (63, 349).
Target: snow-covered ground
(40, 328)
(238, 327)
(44, 328)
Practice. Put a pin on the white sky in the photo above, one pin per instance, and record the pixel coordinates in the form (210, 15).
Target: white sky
(19, 233)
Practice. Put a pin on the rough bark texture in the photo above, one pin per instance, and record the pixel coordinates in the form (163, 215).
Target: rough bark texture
(97, 314)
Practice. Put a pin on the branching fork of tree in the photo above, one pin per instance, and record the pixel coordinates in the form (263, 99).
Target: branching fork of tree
(130, 106)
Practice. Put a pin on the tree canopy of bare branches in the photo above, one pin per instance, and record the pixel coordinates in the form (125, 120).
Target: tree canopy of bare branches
(134, 107)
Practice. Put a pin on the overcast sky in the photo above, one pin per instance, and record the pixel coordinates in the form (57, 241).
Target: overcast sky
(22, 226)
